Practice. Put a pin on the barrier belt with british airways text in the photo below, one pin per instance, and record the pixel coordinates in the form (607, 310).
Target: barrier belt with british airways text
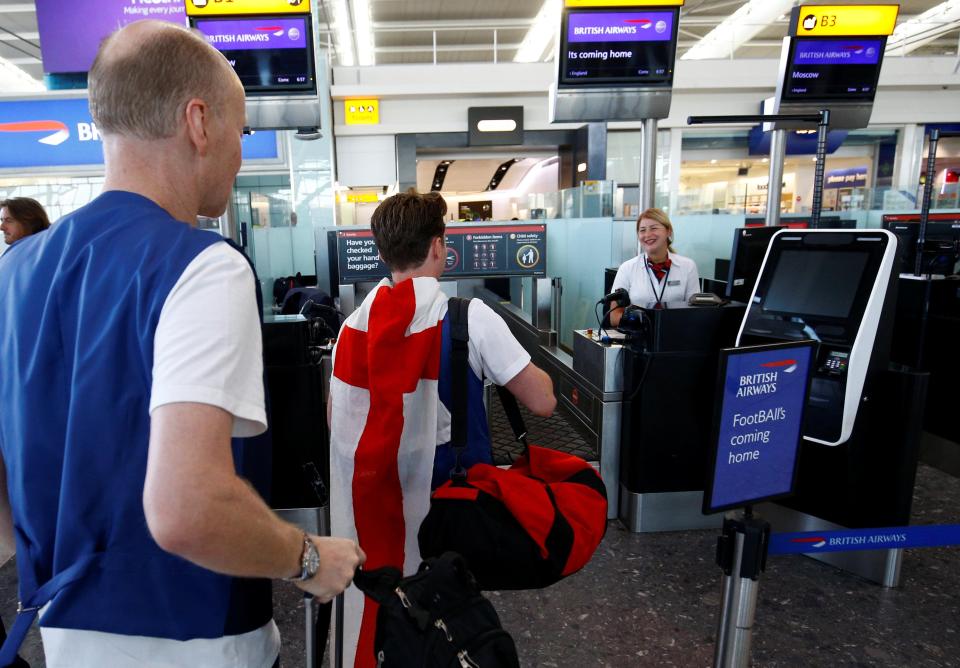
(885, 538)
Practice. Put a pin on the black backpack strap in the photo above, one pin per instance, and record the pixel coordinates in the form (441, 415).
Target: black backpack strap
(457, 308)
(512, 410)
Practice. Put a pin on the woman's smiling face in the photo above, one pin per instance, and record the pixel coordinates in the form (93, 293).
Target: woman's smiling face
(654, 238)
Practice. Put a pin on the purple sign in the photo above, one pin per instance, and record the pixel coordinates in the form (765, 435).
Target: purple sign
(837, 52)
(620, 27)
(851, 177)
(267, 33)
(71, 32)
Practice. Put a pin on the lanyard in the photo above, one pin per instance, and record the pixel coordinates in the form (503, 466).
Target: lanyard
(653, 287)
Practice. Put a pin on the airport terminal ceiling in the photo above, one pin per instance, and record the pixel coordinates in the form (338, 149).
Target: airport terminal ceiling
(450, 31)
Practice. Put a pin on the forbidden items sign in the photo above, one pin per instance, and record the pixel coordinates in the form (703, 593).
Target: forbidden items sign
(761, 395)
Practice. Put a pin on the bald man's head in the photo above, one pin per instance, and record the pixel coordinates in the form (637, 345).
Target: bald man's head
(145, 73)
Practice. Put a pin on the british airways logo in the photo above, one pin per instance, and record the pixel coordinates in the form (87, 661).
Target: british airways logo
(276, 30)
(787, 366)
(55, 132)
(52, 133)
(812, 541)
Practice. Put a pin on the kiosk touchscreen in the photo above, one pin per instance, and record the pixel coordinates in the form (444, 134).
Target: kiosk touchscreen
(829, 287)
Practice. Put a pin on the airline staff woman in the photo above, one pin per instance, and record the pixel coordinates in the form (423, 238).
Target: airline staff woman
(658, 274)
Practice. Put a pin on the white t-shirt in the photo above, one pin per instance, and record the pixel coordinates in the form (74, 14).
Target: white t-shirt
(207, 349)
(494, 353)
(636, 278)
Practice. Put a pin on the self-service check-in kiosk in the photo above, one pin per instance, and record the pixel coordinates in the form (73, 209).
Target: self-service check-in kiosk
(861, 428)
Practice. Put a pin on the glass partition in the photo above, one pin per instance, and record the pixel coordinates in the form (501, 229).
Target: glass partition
(588, 200)
(579, 250)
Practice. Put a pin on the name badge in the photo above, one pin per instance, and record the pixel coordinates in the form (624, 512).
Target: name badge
(673, 283)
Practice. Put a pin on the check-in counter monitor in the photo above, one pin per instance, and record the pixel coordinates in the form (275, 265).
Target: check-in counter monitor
(830, 287)
(749, 249)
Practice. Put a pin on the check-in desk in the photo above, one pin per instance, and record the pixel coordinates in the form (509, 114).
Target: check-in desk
(669, 381)
(925, 336)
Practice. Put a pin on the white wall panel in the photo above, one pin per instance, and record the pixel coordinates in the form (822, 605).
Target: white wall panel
(366, 160)
(435, 98)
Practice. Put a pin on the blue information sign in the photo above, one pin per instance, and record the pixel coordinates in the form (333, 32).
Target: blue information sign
(761, 395)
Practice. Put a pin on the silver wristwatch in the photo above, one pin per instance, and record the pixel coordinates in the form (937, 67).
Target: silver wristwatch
(309, 561)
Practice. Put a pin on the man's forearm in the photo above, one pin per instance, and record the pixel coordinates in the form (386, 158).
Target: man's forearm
(229, 529)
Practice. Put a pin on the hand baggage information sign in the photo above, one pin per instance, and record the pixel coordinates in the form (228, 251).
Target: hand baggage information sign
(762, 391)
(472, 251)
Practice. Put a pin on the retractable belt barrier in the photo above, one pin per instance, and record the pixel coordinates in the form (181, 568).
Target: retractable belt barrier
(848, 540)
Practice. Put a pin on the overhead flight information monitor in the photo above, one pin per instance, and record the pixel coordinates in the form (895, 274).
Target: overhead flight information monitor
(612, 47)
(269, 54)
(831, 59)
(833, 69)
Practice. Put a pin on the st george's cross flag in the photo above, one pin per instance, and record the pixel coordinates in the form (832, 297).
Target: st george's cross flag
(383, 436)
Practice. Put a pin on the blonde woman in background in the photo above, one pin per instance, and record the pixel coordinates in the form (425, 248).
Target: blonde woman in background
(657, 275)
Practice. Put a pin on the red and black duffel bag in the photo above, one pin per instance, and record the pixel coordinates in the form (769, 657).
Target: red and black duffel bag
(524, 527)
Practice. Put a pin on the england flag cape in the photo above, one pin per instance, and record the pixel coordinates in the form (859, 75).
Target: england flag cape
(383, 435)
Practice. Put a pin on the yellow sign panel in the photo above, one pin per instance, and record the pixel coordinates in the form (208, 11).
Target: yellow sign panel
(632, 4)
(845, 20)
(361, 111)
(243, 7)
(363, 198)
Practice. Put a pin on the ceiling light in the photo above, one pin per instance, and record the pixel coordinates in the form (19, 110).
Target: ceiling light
(15, 80)
(933, 23)
(342, 34)
(497, 125)
(541, 33)
(738, 28)
(364, 32)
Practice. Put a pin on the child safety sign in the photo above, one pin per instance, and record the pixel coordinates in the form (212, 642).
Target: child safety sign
(761, 394)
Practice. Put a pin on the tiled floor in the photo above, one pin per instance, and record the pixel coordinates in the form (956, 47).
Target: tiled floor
(653, 599)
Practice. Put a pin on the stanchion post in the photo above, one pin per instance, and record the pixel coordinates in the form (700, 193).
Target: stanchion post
(742, 554)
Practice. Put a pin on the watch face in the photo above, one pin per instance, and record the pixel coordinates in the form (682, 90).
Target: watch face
(311, 560)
